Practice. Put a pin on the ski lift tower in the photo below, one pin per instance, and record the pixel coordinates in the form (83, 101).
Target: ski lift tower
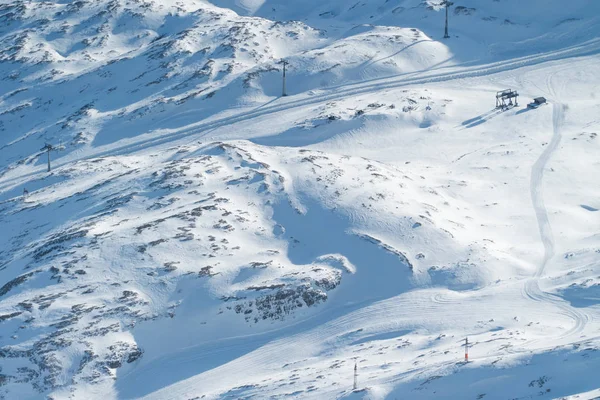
(48, 148)
(447, 4)
(284, 90)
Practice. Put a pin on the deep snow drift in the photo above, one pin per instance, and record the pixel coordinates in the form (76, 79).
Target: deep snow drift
(200, 236)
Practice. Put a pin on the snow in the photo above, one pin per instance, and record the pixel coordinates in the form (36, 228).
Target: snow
(202, 237)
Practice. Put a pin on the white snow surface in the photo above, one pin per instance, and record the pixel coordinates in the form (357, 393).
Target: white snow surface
(202, 237)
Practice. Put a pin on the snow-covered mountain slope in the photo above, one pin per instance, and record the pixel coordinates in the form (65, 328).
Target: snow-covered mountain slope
(201, 237)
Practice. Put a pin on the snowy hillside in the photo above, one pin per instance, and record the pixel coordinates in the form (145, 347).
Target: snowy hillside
(200, 236)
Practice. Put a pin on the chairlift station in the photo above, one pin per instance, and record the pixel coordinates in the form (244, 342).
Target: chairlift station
(504, 99)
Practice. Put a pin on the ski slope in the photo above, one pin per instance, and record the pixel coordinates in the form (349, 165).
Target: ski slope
(202, 237)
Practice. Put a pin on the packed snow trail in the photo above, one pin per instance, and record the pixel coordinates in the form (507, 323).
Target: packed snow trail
(537, 196)
(532, 288)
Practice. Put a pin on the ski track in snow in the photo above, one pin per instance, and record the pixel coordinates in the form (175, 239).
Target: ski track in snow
(532, 288)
